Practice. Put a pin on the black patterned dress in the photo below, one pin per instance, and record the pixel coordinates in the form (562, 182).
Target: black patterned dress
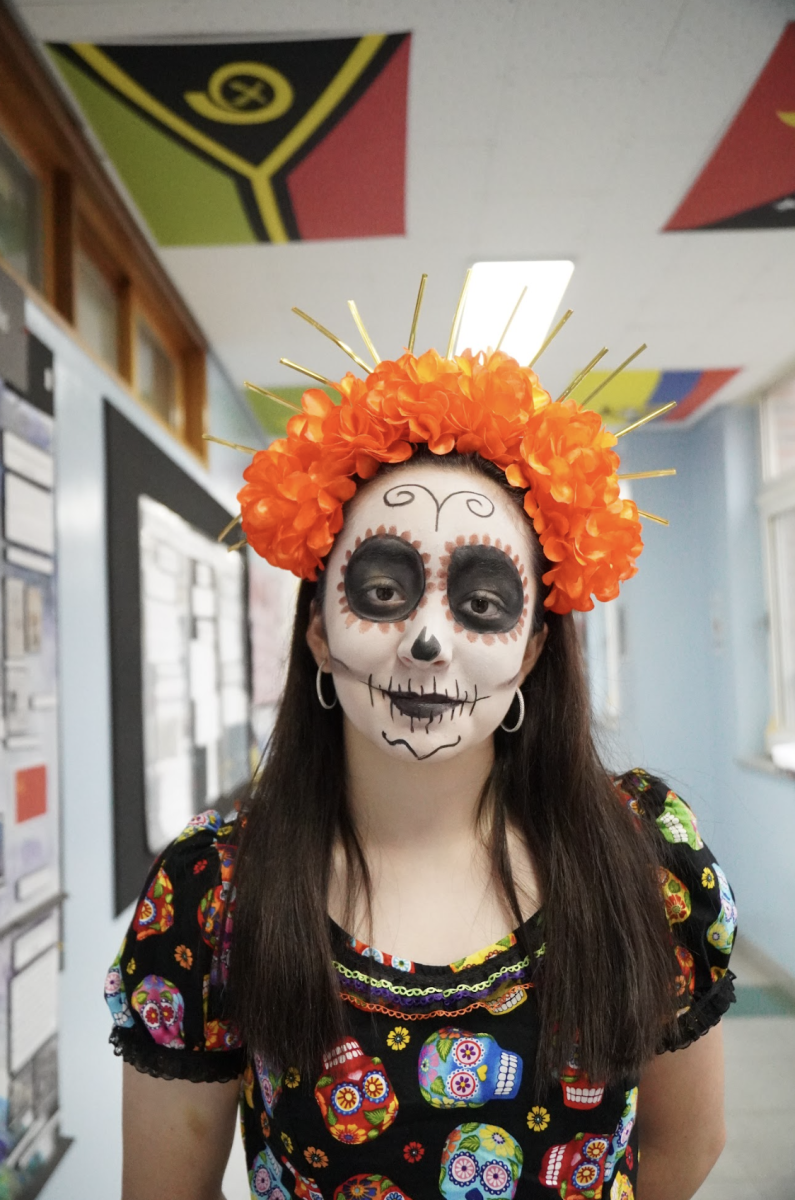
(430, 1093)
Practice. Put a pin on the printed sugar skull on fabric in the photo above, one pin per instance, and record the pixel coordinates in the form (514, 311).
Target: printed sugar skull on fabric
(211, 819)
(264, 1178)
(155, 913)
(505, 1000)
(676, 897)
(216, 914)
(355, 1095)
(686, 977)
(458, 1069)
(480, 1162)
(677, 823)
(116, 997)
(369, 1187)
(620, 1139)
(162, 1009)
(721, 932)
(303, 1188)
(577, 1167)
(578, 1091)
(270, 1083)
(622, 1188)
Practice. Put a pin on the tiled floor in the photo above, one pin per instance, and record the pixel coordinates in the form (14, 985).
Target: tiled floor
(759, 1036)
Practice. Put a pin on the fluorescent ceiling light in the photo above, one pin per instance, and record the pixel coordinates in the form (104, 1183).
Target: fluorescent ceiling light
(494, 288)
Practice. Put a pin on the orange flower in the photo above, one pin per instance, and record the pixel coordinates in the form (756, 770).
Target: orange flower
(487, 404)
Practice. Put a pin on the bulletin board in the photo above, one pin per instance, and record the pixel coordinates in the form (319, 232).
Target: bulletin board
(180, 656)
(31, 1143)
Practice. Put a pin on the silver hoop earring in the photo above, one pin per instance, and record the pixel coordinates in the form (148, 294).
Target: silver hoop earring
(319, 690)
(518, 725)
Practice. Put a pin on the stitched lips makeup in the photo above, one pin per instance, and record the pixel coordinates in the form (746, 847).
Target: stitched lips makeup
(427, 620)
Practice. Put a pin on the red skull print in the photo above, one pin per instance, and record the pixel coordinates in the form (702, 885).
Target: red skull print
(577, 1167)
(355, 1095)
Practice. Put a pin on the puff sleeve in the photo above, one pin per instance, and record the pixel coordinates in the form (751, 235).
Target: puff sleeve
(165, 987)
(699, 905)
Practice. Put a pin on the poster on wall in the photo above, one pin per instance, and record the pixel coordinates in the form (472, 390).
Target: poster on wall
(31, 1143)
(194, 670)
(180, 662)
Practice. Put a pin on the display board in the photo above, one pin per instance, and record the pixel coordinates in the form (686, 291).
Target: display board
(30, 886)
(180, 662)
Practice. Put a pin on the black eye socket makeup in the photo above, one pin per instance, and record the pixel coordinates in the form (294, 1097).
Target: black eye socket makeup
(384, 579)
(484, 589)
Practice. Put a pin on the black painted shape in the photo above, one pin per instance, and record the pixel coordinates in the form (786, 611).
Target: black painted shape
(484, 589)
(40, 375)
(384, 579)
(425, 649)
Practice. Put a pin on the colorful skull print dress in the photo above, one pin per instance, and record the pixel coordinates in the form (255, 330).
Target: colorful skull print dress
(430, 1093)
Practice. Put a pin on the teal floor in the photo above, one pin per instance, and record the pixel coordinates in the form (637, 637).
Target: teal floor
(767, 1001)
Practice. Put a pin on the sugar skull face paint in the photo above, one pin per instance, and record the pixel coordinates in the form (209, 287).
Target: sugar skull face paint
(428, 610)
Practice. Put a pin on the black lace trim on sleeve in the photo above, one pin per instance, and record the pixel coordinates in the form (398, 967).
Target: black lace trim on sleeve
(704, 1014)
(205, 1066)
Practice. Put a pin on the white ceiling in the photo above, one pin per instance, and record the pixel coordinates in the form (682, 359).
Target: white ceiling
(537, 129)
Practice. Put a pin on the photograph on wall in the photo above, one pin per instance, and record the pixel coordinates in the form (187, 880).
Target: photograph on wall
(194, 670)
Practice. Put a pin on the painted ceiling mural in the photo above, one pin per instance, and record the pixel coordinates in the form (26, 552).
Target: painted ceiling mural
(272, 142)
(749, 183)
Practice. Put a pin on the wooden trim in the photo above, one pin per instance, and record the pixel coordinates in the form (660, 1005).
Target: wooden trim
(64, 244)
(195, 379)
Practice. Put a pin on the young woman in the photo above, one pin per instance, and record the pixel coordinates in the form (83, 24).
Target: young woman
(338, 959)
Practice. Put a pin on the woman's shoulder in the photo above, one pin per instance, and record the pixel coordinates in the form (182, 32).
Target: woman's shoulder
(650, 797)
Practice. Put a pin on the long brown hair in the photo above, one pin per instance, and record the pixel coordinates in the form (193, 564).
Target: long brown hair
(606, 978)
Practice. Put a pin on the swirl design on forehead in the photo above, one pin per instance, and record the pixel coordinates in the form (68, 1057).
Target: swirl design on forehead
(406, 493)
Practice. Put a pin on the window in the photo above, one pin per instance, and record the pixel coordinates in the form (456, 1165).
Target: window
(155, 374)
(20, 216)
(777, 505)
(97, 310)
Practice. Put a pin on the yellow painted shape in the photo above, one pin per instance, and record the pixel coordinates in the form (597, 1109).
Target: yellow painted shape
(628, 392)
(260, 176)
(787, 117)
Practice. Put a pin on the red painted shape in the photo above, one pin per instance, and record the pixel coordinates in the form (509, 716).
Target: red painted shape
(754, 163)
(709, 383)
(353, 183)
(30, 786)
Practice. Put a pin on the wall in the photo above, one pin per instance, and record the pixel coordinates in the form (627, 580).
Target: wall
(694, 675)
(90, 1080)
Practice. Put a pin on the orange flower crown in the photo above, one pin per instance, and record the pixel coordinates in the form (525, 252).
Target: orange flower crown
(482, 403)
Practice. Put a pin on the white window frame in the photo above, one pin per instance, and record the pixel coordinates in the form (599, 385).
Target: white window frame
(776, 499)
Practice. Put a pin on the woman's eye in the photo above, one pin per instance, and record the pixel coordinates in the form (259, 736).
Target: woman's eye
(384, 594)
(484, 606)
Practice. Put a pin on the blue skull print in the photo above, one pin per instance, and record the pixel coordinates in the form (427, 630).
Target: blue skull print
(480, 1162)
(458, 1069)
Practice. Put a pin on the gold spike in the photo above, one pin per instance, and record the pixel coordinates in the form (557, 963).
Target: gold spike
(333, 338)
(459, 308)
(254, 387)
(658, 412)
(568, 313)
(416, 316)
(578, 378)
(652, 517)
(510, 319)
(208, 437)
(613, 374)
(244, 542)
(228, 528)
(648, 474)
(365, 336)
(311, 374)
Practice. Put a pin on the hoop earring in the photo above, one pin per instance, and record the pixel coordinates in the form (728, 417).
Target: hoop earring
(518, 725)
(319, 690)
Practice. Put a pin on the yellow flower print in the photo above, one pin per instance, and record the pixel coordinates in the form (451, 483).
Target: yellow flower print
(315, 1158)
(292, 1077)
(498, 1140)
(288, 1143)
(131, 966)
(398, 1038)
(537, 1119)
(707, 878)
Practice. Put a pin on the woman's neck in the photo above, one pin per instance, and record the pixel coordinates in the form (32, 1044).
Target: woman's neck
(396, 805)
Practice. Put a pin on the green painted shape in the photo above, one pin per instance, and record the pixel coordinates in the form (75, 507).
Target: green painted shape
(184, 200)
(271, 416)
(762, 1002)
